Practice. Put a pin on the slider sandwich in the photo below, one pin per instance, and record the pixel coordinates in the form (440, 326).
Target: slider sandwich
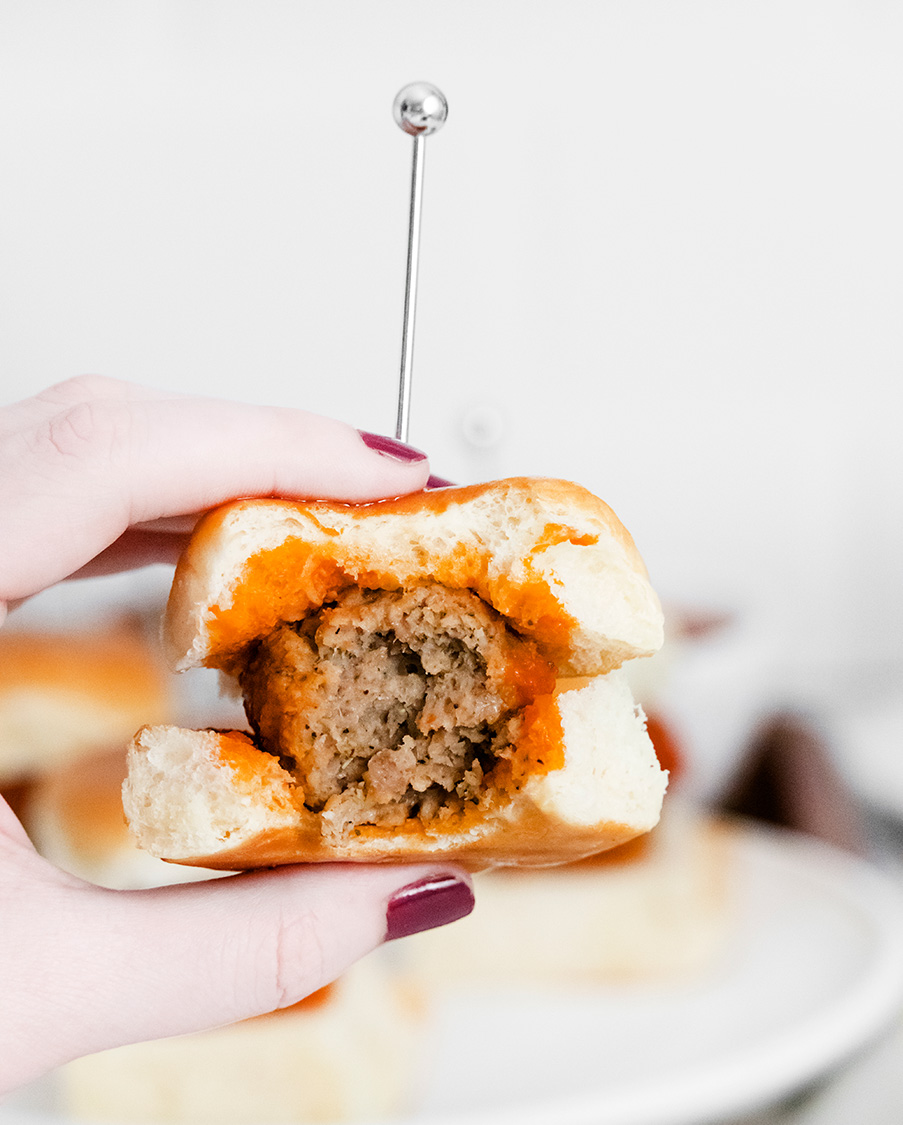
(436, 676)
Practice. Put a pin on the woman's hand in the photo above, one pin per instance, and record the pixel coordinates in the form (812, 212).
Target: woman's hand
(98, 475)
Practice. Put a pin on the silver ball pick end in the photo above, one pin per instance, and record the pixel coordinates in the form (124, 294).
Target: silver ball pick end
(420, 109)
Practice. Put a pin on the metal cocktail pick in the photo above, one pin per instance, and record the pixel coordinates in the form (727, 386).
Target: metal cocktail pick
(419, 109)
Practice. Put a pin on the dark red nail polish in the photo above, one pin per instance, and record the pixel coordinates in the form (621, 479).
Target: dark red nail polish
(439, 482)
(426, 904)
(389, 447)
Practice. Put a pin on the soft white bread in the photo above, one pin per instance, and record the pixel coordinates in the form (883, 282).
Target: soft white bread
(527, 583)
(349, 1053)
(67, 694)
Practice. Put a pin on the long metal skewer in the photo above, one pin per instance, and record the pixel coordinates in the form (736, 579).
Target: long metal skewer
(419, 109)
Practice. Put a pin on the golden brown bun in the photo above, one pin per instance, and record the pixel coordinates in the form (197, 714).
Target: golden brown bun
(551, 557)
(64, 695)
(547, 555)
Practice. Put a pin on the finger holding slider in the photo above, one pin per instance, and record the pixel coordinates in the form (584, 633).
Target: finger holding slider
(436, 676)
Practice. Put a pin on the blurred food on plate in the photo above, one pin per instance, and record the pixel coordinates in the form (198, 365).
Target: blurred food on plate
(66, 694)
(348, 1052)
(656, 913)
(789, 777)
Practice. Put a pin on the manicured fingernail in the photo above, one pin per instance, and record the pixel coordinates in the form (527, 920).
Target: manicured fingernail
(439, 482)
(389, 447)
(426, 904)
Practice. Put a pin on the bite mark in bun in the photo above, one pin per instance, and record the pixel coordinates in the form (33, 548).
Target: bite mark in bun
(408, 668)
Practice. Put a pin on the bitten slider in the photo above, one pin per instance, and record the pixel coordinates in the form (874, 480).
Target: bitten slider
(435, 676)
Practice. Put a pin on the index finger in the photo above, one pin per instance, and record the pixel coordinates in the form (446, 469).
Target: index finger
(86, 467)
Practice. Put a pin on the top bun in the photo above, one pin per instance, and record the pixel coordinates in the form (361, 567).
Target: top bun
(547, 554)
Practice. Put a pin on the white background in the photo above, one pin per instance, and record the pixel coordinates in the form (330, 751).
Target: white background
(663, 250)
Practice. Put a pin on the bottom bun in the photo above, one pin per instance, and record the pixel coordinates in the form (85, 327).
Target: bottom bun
(350, 1056)
(212, 799)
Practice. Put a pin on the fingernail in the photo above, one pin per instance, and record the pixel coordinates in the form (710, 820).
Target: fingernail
(439, 482)
(426, 904)
(389, 447)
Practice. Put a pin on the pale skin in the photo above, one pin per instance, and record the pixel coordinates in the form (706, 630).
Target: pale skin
(98, 475)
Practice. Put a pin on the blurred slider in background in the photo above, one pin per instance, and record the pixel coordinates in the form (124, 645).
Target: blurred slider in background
(68, 695)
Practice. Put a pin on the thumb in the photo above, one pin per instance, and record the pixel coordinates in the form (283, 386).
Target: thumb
(129, 966)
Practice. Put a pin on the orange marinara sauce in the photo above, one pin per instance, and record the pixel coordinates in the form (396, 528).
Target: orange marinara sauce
(285, 582)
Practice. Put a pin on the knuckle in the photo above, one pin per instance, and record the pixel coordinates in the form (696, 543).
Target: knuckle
(298, 958)
(89, 430)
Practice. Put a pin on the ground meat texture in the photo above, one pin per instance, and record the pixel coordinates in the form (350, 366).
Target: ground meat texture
(390, 704)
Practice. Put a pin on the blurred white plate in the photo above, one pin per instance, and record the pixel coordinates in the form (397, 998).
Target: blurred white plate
(814, 973)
